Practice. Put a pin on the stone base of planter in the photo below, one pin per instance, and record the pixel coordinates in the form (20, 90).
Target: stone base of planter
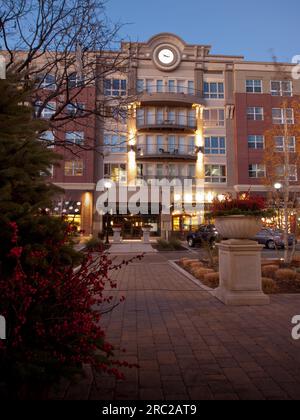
(240, 273)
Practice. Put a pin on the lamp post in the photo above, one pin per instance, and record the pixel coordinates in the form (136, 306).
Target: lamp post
(107, 186)
(278, 188)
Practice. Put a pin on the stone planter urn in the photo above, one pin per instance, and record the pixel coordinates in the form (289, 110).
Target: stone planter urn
(238, 227)
(146, 235)
(240, 261)
(117, 235)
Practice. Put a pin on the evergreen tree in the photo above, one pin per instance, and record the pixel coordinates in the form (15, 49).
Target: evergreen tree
(25, 164)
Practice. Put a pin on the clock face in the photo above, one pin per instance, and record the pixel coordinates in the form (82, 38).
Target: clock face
(166, 56)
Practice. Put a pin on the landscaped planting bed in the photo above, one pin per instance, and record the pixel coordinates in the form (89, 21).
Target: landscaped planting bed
(277, 277)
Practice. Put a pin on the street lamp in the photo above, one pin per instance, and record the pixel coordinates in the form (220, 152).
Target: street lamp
(278, 188)
(107, 186)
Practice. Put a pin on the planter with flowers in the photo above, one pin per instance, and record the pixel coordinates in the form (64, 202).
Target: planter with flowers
(117, 229)
(239, 218)
(146, 233)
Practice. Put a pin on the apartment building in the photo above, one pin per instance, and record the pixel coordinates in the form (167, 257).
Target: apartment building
(188, 114)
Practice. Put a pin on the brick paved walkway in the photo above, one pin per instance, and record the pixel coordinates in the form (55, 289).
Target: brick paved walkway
(191, 346)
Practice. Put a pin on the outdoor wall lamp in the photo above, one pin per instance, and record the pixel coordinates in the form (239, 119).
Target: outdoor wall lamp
(199, 149)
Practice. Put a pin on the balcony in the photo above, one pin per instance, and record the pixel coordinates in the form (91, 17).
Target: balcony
(180, 124)
(165, 155)
(171, 96)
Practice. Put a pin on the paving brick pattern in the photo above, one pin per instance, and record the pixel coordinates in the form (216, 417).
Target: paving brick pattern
(191, 346)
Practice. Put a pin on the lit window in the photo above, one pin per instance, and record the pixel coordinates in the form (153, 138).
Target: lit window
(215, 174)
(256, 142)
(74, 168)
(254, 86)
(116, 172)
(255, 113)
(257, 171)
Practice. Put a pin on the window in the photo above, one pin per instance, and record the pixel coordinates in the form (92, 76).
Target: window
(172, 170)
(280, 144)
(74, 168)
(159, 171)
(171, 86)
(254, 86)
(75, 137)
(256, 142)
(159, 116)
(140, 86)
(115, 143)
(116, 172)
(47, 111)
(160, 143)
(191, 171)
(255, 114)
(215, 146)
(191, 87)
(48, 138)
(283, 116)
(214, 90)
(150, 146)
(281, 88)
(293, 173)
(159, 86)
(181, 86)
(115, 87)
(171, 144)
(75, 80)
(214, 117)
(140, 116)
(215, 174)
(172, 116)
(150, 86)
(257, 171)
(182, 145)
(191, 144)
(48, 82)
(75, 109)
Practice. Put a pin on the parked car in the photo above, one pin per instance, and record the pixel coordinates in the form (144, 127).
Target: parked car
(273, 239)
(206, 233)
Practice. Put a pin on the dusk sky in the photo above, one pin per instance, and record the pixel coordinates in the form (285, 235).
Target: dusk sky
(258, 29)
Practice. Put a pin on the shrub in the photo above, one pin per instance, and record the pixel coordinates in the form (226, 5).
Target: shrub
(175, 244)
(163, 244)
(53, 317)
(269, 271)
(286, 274)
(269, 286)
(201, 272)
(94, 244)
(189, 263)
(211, 280)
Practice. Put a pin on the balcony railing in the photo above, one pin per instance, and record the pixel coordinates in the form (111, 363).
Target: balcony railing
(169, 153)
(170, 94)
(152, 122)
